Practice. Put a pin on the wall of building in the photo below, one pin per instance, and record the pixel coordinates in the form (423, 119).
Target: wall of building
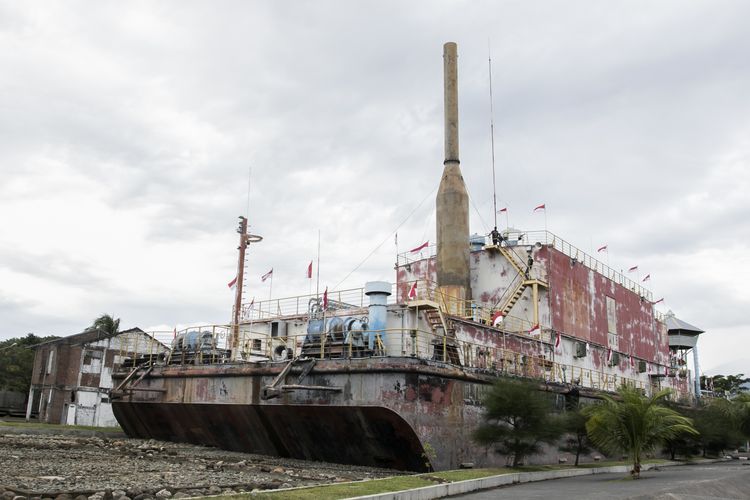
(71, 381)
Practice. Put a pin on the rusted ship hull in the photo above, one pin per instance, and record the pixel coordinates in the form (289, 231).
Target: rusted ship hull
(400, 413)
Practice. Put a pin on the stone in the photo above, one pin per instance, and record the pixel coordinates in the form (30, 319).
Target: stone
(180, 494)
(63, 496)
(81, 497)
(278, 470)
(213, 490)
(118, 494)
(163, 493)
(143, 496)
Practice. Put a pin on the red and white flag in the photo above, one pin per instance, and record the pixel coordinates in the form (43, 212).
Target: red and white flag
(602, 248)
(309, 270)
(233, 284)
(632, 362)
(558, 343)
(648, 277)
(540, 207)
(634, 268)
(420, 247)
(535, 330)
(174, 334)
(267, 275)
(325, 299)
(609, 355)
(497, 318)
(502, 210)
(413, 291)
(660, 300)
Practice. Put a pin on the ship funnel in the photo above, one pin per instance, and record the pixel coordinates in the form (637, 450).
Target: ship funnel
(452, 202)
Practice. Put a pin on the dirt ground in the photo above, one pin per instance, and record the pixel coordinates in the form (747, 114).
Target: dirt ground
(100, 468)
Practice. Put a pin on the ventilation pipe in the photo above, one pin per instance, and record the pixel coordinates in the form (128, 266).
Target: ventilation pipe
(378, 291)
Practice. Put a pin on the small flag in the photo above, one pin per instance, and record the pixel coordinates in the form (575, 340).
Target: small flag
(634, 268)
(502, 210)
(540, 207)
(497, 318)
(534, 330)
(648, 277)
(588, 348)
(174, 334)
(325, 299)
(609, 355)
(602, 249)
(420, 247)
(233, 284)
(632, 362)
(267, 275)
(660, 300)
(413, 291)
(309, 270)
(395, 239)
(558, 343)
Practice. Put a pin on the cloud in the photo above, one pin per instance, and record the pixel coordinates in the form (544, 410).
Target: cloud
(127, 133)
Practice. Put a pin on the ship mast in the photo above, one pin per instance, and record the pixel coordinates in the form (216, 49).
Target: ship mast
(245, 240)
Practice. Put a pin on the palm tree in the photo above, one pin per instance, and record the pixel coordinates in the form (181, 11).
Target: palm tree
(634, 424)
(107, 324)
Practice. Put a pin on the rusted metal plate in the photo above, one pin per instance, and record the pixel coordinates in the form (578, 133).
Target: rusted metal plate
(361, 435)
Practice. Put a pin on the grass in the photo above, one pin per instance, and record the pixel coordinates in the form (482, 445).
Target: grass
(399, 483)
(38, 425)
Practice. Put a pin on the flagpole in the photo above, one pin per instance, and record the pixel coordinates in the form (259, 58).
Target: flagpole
(317, 282)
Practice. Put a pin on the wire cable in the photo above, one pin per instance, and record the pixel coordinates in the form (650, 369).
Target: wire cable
(390, 235)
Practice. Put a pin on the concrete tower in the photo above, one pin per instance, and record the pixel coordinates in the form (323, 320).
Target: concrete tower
(452, 202)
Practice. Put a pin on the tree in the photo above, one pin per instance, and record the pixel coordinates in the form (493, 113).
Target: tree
(577, 441)
(518, 420)
(634, 424)
(729, 386)
(17, 361)
(106, 323)
(718, 426)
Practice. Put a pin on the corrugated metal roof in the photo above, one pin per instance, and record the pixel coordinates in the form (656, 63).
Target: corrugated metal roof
(676, 324)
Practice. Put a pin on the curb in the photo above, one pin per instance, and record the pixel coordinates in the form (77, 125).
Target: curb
(470, 485)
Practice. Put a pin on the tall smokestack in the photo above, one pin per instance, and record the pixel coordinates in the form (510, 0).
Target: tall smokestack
(452, 202)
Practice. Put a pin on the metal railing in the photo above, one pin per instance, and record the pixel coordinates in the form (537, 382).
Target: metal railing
(397, 342)
(426, 345)
(548, 238)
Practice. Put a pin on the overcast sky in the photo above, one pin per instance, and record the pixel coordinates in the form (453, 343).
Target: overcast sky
(127, 130)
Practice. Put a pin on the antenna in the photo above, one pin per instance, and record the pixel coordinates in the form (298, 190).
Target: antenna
(249, 175)
(492, 137)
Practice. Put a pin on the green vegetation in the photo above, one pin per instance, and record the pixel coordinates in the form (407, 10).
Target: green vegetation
(517, 420)
(726, 386)
(16, 362)
(106, 323)
(634, 424)
(57, 427)
(577, 440)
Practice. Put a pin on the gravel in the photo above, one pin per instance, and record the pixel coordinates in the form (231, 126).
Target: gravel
(65, 467)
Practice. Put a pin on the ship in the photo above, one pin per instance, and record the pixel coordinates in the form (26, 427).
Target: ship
(393, 374)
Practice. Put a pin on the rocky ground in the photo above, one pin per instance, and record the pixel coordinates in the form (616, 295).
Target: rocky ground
(94, 468)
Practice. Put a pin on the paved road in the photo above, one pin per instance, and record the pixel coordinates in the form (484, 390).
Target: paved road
(686, 482)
